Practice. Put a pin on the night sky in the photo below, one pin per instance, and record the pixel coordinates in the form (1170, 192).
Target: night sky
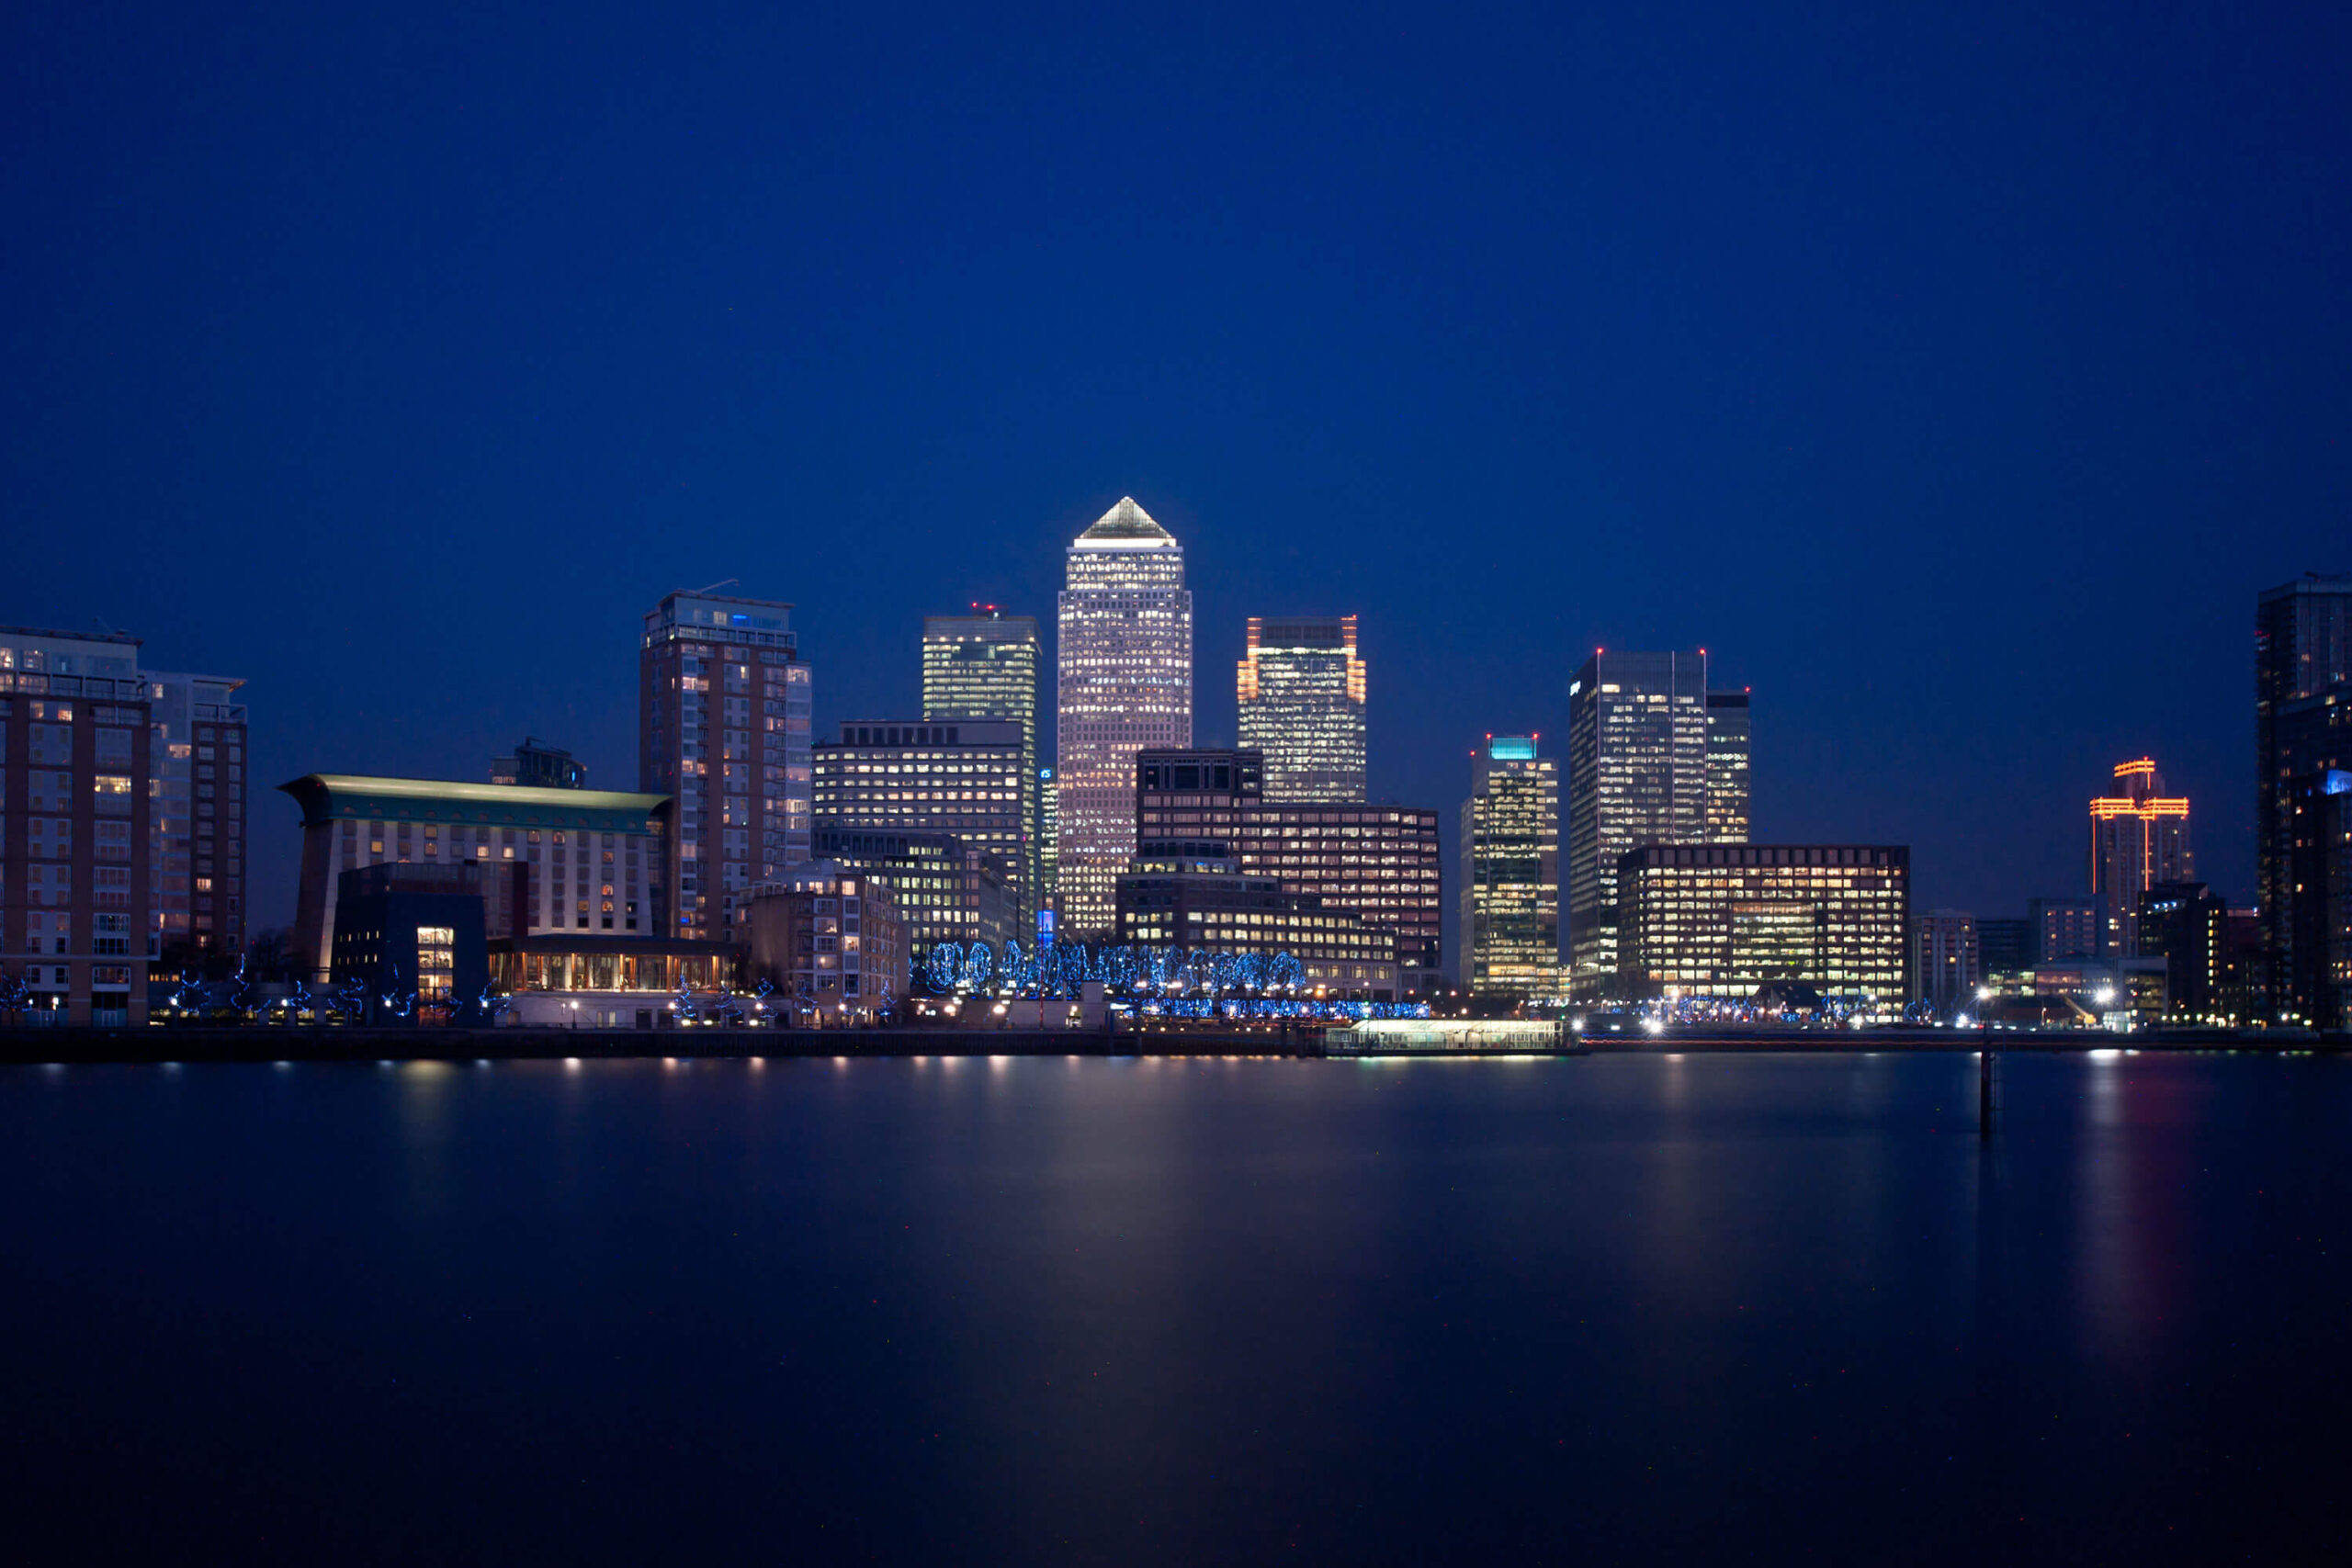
(1957, 377)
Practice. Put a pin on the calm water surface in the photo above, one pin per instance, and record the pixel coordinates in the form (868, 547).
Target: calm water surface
(1625, 1309)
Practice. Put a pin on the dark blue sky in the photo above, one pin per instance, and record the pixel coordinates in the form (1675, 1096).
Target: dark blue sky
(1956, 377)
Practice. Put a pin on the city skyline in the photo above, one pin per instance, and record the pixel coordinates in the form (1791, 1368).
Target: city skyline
(2050, 885)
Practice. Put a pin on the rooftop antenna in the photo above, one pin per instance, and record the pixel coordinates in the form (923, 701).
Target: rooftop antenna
(721, 584)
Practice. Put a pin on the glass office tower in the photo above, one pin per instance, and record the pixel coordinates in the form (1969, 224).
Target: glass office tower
(1509, 926)
(1125, 682)
(1302, 694)
(1651, 760)
(1726, 767)
(985, 665)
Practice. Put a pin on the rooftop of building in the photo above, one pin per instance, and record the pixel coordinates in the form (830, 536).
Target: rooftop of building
(1126, 523)
(335, 796)
(54, 634)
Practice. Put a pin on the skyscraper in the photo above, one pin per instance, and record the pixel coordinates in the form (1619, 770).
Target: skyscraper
(1125, 683)
(1302, 695)
(2139, 838)
(985, 665)
(2302, 720)
(1651, 760)
(723, 724)
(196, 831)
(1509, 926)
(1726, 767)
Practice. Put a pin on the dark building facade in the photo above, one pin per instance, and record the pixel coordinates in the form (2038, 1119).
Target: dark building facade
(2186, 923)
(1205, 902)
(538, 765)
(409, 930)
(2066, 931)
(2003, 944)
(2315, 980)
(2303, 716)
(1381, 863)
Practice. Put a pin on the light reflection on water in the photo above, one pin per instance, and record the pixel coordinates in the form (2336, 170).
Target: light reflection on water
(1618, 1301)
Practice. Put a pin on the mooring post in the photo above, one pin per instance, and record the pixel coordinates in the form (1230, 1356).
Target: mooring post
(1984, 1091)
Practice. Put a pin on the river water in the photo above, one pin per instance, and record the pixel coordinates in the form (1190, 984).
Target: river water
(1616, 1309)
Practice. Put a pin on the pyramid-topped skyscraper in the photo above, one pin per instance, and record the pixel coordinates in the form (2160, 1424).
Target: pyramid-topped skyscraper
(1126, 652)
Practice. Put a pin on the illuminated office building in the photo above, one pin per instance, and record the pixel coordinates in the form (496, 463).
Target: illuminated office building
(1048, 850)
(1727, 919)
(1125, 655)
(961, 776)
(724, 727)
(2139, 838)
(1510, 924)
(1654, 758)
(1302, 698)
(1727, 760)
(944, 888)
(985, 665)
(1379, 862)
(2302, 715)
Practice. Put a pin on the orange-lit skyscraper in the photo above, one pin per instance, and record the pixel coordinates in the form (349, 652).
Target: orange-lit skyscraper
(1301, 689)
(2139, 838)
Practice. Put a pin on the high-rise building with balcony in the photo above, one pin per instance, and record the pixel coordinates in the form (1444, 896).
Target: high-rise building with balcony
(2139, 838)
(195, 826)
(985, 665)
(78, 894)
(1652, 760)
(1125, 656)
(1509, 924)
(1301, 688)
(724, 727)
(2302, 720)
